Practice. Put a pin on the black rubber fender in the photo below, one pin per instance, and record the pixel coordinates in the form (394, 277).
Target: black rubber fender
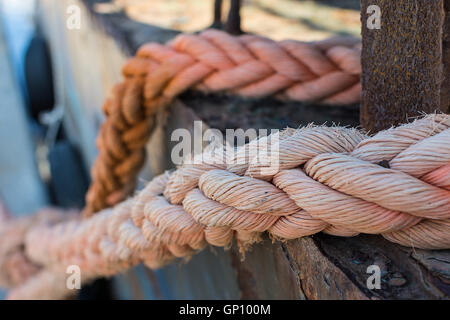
(39, 76)
(69, 181)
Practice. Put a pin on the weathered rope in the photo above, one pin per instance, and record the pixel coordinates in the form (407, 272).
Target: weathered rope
(251, 66)
(15, 265)
(334, 180)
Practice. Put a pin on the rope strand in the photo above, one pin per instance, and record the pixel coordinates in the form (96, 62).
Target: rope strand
(330, 180)
(247, 65)
(333, 180)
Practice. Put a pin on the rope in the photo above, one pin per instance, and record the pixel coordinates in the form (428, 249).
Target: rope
(15, 265)
(333, 180)
(247, 65)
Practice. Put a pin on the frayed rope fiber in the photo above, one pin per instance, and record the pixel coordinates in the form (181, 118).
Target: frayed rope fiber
(330, 179)
(248, 65)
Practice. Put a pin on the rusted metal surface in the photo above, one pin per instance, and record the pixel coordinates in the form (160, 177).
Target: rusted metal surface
(405, 62)
(406, 72)
(233, 25)
(217, 15)
(445, 91)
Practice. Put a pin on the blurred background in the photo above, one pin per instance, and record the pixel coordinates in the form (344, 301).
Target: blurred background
(52, 82)
(280, 19)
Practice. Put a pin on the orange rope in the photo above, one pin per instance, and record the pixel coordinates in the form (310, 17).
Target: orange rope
(329, 180)
(248, 65)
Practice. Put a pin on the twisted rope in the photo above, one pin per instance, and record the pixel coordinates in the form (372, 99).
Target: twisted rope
(333, 180)
(248, 65)
(16, 267)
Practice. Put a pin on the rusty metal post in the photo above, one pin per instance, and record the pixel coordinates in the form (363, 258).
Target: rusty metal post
(217, 14)
(233, 25)
(405, 60)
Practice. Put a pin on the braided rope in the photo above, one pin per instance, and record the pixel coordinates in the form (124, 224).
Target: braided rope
(15, 265)
(333, 180)
(248, 65)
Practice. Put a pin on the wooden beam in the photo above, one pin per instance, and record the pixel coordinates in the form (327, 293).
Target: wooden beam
(406, 62)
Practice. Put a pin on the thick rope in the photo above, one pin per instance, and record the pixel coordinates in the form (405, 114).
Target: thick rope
(334, 180)
(15, 265)
(248, 65)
